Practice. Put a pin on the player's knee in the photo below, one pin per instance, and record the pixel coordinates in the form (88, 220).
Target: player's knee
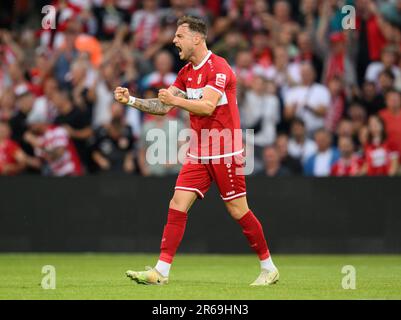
(178, 204)
(237, 209)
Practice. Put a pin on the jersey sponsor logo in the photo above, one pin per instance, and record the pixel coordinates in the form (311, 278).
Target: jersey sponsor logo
(221, 80)
(199, 78)
(197, 94)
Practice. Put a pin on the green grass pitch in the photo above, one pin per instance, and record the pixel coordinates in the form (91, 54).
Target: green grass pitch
(102, 276)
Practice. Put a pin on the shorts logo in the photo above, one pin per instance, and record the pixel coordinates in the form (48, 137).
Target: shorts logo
(199, 78)
(230, 193)
(220, 80)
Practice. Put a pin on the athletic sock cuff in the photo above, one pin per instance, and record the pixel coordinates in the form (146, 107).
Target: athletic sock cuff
(177, 216)
(246, 218)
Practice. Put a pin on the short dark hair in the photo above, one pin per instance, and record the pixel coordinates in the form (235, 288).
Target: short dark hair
(299, 121)
(194, 24)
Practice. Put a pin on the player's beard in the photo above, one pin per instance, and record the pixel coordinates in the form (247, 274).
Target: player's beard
(187, 55)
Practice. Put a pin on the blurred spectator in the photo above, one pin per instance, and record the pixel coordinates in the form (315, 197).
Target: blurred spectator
(244, 68)
(392, 119)
(229, 46)
(81, 83)
(260, 111)
(260, 48)
(292, 164)
(307, 53)
(108, 17)
(388, 60)
(273, 167)
(349, 163)
(7, 105)
(370, 37)
(285, 38)
(309, 101)
(337, 58)
(338, 102)
(145, 23)
(345, 129)
(300, 146)
(282, 72)
(320, 163)
(75, 121)
(12, 158)
(50, 87)
(24, 104)
(380, 157)
(370, 98)
(52, 146)
(386, 81)
(113, 144)
(41, 70)
(105, 86)
(358, 116)
(163, 76)
(308, 17)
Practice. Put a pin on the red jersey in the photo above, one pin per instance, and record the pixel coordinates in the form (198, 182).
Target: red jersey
(393, 128)
(378, 159)
(346, 168)
(8, 150)
(218, 135)
(66, 165)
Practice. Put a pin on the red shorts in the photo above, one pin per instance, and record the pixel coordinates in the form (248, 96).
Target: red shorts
(197, 176)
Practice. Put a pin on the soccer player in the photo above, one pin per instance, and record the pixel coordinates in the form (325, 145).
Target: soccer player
(206, 88)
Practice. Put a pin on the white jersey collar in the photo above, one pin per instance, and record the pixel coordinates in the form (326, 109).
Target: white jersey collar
(200, 65)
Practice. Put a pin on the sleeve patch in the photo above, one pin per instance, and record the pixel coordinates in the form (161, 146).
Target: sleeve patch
(221, 80)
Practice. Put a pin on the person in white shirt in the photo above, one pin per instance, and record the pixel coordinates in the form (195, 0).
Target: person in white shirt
(309, 101)
(388, 61)
(260, 111)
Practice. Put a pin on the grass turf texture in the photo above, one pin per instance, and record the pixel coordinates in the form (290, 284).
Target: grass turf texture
(102, 276)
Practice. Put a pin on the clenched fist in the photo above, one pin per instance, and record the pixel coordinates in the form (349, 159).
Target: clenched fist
(121, 95)
(166, 97)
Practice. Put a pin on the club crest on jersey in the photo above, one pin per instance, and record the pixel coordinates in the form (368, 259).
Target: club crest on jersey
(199, 78)
(220, 80)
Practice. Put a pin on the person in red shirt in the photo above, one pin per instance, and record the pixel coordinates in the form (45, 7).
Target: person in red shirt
(12, 158)
(206, 88)
(392, 119)
(349, 163)
(381, 159)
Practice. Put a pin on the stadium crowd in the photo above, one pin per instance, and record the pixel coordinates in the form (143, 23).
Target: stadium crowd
(322, 100)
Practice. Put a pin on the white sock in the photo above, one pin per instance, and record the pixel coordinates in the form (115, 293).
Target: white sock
(268, 264)
(163, 268)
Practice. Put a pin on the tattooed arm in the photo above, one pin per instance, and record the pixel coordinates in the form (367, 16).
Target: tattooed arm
(152, 106)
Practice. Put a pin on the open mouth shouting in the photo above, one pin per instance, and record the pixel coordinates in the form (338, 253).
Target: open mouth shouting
(179, 50)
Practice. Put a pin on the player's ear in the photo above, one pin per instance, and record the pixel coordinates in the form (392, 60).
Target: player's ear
(197, 39)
